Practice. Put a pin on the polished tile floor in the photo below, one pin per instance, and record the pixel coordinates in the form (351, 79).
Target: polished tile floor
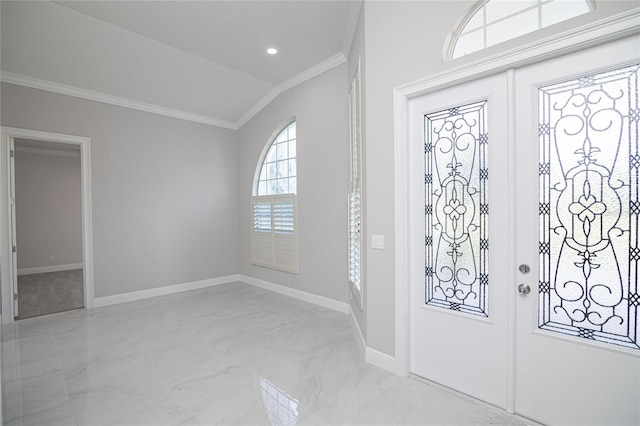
(49, 292)
(231, 354)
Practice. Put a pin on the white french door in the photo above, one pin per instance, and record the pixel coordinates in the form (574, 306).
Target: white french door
(459, 318)
(553, 254)
(577, 339)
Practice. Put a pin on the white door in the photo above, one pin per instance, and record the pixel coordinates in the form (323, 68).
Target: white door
(458, 322)
(12, 208)
(559, 339)
(578, 160)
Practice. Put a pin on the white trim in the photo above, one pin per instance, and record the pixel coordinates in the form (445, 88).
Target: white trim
(480, 402)
(162, 291)
(511, 250)
(47, 151)
(63, 89)
(6, 268)
(451, 41)
(606, 30)
(402, 242)
(362, 344)
(381, 360)
(595, 33)
(52, 268)
(308, 74)
(452, 37)
(297, 294)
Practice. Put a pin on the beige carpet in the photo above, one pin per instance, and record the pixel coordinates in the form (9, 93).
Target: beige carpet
(42, 294)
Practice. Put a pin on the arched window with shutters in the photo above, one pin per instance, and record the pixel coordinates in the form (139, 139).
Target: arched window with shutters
(274, 239)
(490, 22)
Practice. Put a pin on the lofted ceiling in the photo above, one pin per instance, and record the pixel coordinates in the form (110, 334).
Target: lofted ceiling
(204, 58)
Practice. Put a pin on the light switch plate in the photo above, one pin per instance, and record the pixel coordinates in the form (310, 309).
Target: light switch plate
(377, 242)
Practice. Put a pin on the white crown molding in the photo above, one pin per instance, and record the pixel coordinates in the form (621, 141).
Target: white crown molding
(63, 89)
(305, 75)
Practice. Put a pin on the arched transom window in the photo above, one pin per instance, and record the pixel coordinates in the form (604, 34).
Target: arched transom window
(278, 173)
(491, 22)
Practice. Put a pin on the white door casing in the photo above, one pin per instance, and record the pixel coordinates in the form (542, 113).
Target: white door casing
(558, 379)
(7, 233)
(12, 216)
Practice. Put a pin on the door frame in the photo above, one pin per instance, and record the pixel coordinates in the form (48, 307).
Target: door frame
(6, 267)
(407, 263)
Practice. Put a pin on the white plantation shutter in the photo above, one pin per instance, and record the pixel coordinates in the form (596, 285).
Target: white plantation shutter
(262, 252)
(355, 189)
(354, 240)
(275, 236)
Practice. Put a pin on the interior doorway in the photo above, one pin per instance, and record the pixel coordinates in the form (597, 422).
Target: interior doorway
(30, 274)
(48, 227)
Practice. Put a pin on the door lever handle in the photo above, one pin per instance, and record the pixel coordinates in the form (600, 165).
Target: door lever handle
(524, 289)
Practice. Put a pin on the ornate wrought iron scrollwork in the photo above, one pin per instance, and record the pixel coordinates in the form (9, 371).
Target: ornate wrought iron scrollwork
(456, 211)
(588, 136)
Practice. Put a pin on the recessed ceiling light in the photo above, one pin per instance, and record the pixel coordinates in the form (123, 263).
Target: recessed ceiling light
(272, 51)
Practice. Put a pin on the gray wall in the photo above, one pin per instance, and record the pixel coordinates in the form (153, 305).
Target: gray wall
(165, 192)
(320, 107)
(404, 42)
(48, 208)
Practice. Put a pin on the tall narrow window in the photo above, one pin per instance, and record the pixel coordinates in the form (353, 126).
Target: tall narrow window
(274, 205)
(355, 189)
(491, 22)
(589, 207)
(457, 209)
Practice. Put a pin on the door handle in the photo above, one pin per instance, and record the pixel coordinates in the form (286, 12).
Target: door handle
(524, 289)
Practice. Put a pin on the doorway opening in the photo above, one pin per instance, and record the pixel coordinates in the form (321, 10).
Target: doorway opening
(45, 220)
(48, 225)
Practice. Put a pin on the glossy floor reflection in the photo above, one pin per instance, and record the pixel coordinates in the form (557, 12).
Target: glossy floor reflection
(231, 354)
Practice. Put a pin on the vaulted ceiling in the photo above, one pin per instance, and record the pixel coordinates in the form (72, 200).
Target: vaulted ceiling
(204, 58)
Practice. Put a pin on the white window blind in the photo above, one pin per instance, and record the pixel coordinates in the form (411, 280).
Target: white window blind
(355, 189)
(275, 236)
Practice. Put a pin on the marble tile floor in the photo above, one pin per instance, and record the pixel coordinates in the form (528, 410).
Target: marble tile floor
(232, 354)
(49, 292)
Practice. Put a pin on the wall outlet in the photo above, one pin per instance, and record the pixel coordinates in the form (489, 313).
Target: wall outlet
(52, 259)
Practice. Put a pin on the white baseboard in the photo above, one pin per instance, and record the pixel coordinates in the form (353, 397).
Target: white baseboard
(360, 337)
(161, 291)
(52, 268)
(297, 294)
(380, 359)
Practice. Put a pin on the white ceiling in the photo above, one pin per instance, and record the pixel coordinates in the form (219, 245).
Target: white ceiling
(206, 58)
